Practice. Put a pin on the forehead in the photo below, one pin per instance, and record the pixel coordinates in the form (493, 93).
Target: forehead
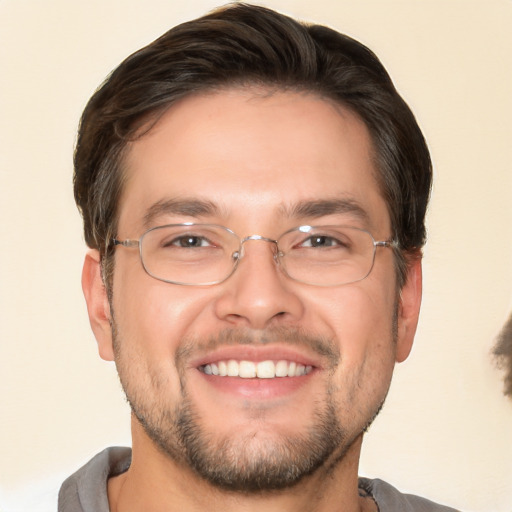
(247, 152)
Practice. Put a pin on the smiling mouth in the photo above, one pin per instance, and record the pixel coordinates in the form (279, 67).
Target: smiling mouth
(256, 370)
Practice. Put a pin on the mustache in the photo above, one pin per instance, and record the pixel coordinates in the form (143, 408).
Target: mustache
(293, 336)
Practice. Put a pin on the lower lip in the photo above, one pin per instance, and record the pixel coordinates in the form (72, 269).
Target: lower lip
(258, 388)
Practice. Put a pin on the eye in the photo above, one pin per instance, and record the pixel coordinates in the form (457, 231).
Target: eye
(188, 242)
(321, 241)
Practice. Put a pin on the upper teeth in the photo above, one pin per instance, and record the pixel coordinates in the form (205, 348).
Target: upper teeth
(261, 370)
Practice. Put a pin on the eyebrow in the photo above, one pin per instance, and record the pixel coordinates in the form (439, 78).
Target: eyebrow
(307, 209)
(185, 207)
(322, 207)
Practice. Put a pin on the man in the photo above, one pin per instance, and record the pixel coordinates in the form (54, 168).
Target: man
(253, 193)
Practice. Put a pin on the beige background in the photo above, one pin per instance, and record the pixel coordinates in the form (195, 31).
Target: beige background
(446, 431)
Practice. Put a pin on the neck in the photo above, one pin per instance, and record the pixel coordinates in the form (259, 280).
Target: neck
(156, 482)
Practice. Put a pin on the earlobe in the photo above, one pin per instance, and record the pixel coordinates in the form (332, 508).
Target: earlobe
(98, 306)
(409, 309)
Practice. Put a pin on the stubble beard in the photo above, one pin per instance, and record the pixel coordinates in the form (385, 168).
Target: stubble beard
(251, 462)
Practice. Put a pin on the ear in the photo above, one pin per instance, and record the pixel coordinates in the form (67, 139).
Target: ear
(409, 309)
(97, 304)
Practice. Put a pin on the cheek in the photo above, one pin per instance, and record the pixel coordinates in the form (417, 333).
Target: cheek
(151, 320)
(355, 312)
(360, 318)
(154, 315)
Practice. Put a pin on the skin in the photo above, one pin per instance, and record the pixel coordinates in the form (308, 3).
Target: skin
(253, 155)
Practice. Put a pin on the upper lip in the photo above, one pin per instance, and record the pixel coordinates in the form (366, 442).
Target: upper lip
(256, 354)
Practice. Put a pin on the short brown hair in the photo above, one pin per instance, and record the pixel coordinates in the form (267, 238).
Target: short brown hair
(244, 45)
(503, 353)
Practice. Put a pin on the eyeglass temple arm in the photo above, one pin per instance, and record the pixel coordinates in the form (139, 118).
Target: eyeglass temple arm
(387, 243)
(125, 243)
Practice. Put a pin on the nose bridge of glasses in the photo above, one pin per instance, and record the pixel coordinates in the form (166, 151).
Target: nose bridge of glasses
(257, 238)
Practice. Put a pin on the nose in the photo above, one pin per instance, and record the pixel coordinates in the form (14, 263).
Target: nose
(258, 294)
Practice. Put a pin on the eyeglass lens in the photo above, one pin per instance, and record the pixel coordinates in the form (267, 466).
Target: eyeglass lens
(198, 254)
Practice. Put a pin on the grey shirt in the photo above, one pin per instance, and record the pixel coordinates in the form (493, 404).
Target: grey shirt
(86, 490)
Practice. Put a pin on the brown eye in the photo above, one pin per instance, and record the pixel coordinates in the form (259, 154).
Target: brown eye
(321, 241)
(189, 241)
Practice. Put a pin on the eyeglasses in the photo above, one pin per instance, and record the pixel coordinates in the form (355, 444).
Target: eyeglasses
(205, 254)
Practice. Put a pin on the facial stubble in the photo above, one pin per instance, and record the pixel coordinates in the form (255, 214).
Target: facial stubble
(250, 462)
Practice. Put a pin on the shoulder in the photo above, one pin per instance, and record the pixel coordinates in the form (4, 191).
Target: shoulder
(390, 499)
(86, 489)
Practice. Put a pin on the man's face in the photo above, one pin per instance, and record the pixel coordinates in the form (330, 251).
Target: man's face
(251, 161)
